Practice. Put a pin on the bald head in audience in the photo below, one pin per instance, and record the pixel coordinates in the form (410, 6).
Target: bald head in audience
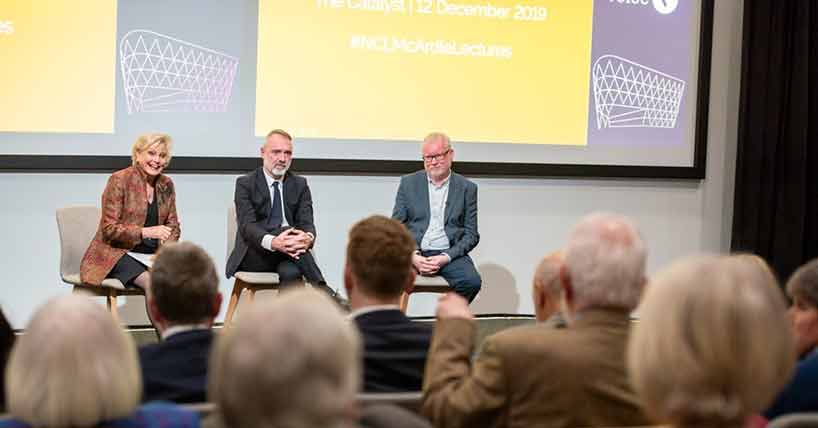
(289, 362)
(73, 367)
(604, 264)
(708, 350)
(547, 289)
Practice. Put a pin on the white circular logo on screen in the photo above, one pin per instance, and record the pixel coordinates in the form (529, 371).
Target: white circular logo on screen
(665, 6)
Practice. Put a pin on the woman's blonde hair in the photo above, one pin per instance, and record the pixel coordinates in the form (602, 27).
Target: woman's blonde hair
(144, 141)
(73, 367)
(712, 345)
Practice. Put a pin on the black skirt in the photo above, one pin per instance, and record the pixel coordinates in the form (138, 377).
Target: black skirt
(126, 270)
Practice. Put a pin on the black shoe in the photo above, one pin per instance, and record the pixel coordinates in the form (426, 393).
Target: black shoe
(343, 304)
(340, 300)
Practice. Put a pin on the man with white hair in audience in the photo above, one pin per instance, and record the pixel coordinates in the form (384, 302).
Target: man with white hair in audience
(292, 361)
(536, 376)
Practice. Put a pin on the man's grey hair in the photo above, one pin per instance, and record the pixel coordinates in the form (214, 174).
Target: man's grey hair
(73, 367)
(605, 261)
(434, 136)
(289, 362)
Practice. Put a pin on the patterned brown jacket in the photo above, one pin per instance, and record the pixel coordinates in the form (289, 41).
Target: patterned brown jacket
(124, 209)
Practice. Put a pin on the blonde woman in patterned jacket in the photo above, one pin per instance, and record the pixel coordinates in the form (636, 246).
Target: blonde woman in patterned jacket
(138, 215)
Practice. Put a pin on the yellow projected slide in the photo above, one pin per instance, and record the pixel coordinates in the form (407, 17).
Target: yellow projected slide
(481, 70)
(58, 64)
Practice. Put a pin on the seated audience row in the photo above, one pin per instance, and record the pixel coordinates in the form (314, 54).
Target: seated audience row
(712, 347)
(298, 353)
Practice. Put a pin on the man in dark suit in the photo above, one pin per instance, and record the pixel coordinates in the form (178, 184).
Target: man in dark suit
(378, 269)
(274, 218)
(439, 207)
(183, 299)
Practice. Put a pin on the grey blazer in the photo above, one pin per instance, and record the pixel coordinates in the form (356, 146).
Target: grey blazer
(460, 222)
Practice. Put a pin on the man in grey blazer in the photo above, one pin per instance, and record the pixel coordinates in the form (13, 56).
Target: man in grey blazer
(439, 207)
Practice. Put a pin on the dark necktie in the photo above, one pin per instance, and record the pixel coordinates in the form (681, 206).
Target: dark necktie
(275, 219)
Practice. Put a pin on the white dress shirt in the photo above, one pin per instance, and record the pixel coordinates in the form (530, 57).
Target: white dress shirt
(268, 238)
(435, 237)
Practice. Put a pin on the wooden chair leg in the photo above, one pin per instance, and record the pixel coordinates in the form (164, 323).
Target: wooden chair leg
(404, 301)
(110, 301)
(238, 287)
(251, 295)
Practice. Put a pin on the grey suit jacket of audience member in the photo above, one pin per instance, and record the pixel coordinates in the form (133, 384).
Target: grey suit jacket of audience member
(532, 376)
(460, 218)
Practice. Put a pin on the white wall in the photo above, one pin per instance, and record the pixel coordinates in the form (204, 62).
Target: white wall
(520, 220)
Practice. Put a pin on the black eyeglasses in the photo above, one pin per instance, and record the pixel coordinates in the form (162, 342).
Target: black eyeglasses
(437, 157)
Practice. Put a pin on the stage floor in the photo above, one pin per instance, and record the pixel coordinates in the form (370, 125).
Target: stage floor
(486, 325)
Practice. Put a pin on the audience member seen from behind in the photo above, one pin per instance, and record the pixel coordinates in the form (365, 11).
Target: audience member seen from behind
(547, 290)
(556, 377)
(75, 367)
(138, 215)
(708, 349)
(378, 270)
(289, 362)
(183, 300)
(6, 343)
(801, 394)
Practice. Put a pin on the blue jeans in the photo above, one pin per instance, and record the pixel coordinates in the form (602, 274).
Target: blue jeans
(460, 273)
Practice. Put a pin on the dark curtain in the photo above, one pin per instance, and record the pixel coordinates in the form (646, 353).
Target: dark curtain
(776, 197)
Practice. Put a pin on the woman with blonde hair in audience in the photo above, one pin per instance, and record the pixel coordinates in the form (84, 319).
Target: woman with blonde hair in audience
(708, 349)
(74, 367)
(801, 394)
(138, 215)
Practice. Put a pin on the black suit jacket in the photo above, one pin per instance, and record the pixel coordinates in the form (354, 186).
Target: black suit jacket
(253, 206)
(176, 369)
(395, 351)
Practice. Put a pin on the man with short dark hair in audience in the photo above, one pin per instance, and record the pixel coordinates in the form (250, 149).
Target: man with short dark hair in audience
(378, 269)
(534, 376)
(183, 300)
